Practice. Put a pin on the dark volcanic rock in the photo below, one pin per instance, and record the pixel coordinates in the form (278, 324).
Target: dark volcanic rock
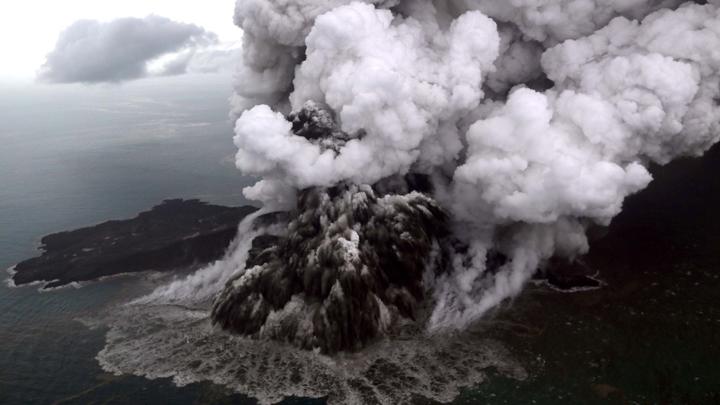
(174, 234)
(348, 267)
(349, 264)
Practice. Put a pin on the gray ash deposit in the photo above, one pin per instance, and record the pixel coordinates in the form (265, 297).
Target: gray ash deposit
(174, 234)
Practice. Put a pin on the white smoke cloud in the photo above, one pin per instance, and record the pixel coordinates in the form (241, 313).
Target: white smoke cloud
(91, 51)
(534, 118)
(273, 43)
(393, 84)
(206, 283)
(553, 21)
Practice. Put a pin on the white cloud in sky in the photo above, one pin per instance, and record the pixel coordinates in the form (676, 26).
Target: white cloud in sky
(29, 29)
(89, 51)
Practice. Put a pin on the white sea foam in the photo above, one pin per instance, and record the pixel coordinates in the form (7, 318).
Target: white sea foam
(9, 281)
(171, 341)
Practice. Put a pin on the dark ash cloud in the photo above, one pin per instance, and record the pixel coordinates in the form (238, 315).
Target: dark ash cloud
(91, 51)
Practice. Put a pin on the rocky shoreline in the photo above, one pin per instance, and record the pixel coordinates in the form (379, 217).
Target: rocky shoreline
(174, 234)
(177, 234)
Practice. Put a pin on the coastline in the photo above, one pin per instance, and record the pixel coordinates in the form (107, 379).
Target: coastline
(171, 236)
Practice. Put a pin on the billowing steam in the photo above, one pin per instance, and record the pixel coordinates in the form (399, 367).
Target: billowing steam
(420, 160)
(530, 121)
(430, 156)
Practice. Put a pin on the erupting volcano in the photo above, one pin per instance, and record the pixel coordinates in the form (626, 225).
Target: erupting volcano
(525, 123)
(430, 156)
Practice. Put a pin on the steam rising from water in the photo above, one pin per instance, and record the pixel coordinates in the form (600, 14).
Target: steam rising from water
(169, 334)
(349, 266)
(529, 120)
(164, 341)
(202, 286)
(533, 119)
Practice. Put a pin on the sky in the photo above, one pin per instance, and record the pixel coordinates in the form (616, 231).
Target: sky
(29, 29)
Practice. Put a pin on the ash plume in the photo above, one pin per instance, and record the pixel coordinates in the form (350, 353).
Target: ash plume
(432, 155)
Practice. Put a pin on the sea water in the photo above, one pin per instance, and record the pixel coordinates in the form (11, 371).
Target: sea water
(73, 156)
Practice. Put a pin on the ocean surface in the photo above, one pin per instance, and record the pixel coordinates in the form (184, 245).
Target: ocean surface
(72, 156)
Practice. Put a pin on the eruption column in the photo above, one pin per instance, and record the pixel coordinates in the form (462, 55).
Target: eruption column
(529, 120)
